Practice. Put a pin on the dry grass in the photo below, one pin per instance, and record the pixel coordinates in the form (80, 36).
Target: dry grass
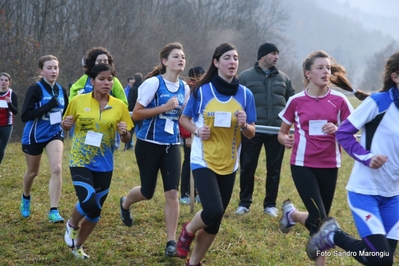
(252, 239)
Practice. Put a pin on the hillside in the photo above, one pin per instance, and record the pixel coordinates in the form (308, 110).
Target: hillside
(339, 30)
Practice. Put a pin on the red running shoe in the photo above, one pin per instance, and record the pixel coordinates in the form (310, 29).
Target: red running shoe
(184, 242)
(188, 263)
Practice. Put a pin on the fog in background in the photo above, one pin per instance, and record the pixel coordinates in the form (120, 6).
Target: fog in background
(352, 31)
(359, 34)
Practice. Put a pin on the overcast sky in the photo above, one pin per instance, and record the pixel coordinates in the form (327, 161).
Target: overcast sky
(380, 7)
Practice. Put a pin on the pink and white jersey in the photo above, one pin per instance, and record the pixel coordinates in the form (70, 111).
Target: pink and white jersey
(312, 148)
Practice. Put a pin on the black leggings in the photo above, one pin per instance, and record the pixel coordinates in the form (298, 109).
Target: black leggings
(153, 157)
(91, 189)
(316, 187)
(5, 134)
(215, 193)
(373, 250)
(185, 172)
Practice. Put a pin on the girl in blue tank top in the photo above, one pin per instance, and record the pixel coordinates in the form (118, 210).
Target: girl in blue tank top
(44, 104)
(160, 100)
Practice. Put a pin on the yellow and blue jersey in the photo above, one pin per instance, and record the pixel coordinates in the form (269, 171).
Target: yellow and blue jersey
(88, 117)
(221, 152)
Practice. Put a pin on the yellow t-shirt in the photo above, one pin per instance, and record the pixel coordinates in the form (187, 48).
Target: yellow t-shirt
(94, 131)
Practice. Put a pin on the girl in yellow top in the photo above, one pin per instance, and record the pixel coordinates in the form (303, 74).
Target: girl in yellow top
(97, 117)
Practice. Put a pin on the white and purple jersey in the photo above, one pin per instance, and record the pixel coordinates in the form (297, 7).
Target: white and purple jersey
(310, 149)
(383, 181)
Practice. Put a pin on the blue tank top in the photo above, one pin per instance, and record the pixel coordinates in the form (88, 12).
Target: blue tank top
(40, 130)
(153, 128)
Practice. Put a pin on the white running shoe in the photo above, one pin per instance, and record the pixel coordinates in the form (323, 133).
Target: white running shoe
(321, 240)
(79, 253)
(242, 210)
(285, 224)
(271, 211)
(70, 235)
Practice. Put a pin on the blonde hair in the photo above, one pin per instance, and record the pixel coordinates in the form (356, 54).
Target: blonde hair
(44, 59)
(41, 62)
(6, 74)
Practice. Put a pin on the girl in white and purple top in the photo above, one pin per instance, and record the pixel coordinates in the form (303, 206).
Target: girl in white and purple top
(373, 186)
(316, 114)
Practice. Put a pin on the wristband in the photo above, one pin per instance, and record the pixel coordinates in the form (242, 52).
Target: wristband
(246, 126)
(196, 133)
(123, 135)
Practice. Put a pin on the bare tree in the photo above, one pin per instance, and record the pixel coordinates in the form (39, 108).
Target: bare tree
(372, 79)
(133, 30)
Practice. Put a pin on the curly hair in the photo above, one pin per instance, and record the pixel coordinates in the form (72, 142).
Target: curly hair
(91, 56)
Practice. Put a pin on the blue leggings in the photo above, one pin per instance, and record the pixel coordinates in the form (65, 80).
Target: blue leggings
(91, 189)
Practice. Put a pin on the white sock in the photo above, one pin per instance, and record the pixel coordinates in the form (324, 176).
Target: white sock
(331, 237)
(289, 217)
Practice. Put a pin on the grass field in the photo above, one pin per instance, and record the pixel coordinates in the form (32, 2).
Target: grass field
(252, 239)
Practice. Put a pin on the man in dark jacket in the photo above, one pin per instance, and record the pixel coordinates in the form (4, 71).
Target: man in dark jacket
(271, 89)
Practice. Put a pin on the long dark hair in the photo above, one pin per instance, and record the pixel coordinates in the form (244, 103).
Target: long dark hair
(213, 70)
(391, 66)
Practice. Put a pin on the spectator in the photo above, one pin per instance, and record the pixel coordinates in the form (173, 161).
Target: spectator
(130, 82)
(271, 88)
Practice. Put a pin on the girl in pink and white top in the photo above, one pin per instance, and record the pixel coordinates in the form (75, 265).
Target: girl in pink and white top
(316, 114)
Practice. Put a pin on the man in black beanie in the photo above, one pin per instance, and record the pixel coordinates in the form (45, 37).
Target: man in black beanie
(271, 89)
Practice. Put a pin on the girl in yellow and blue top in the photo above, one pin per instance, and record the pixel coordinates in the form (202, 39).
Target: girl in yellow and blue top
(223, 111)
(94, 56)
(97, 117)
(44, 104)
(159, 103)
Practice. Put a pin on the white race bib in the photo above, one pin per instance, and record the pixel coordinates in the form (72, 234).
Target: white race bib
(315, 127)
(222, 119)
(3, 104)
(93, 138)
(169, 126)
(55, 118)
